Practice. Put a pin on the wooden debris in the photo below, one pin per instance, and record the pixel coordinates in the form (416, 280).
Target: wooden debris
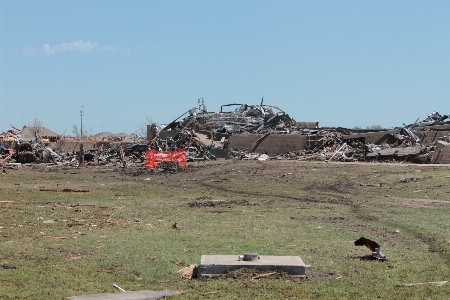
(187, 272)
(264, 275)
(423, 283)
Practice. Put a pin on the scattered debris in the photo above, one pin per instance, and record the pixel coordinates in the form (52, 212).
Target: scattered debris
(238, 131)
(433, 118)
(63, 190)
(406, 180)
(209, 202)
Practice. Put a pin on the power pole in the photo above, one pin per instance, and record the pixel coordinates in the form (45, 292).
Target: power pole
(81, 115)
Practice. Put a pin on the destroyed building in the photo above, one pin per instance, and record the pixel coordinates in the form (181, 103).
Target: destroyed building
(236, 131)
(263, 131)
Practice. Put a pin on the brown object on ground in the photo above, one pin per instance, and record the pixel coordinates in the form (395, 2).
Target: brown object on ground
(187, 272)
(362, 241)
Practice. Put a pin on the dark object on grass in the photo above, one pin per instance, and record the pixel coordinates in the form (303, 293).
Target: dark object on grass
(373, 246)
(8, 266)
(176, 225)
(362, 241)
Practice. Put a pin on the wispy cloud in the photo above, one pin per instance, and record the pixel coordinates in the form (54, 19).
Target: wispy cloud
(80, 46)
(28, 50)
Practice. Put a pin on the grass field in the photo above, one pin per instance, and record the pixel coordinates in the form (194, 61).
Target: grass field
(68, 243)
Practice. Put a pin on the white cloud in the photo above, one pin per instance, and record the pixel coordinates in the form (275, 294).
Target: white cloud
(28, 50)
(80, 46)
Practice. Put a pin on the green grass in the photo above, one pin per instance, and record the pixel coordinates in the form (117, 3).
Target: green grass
(120, 232)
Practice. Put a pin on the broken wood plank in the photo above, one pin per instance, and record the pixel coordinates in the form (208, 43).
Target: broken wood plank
(423, 283)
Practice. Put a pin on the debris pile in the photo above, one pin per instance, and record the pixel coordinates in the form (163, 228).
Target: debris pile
(243, 118)
(237, 131)
(17, 148)
(433, 118)
(263, 132)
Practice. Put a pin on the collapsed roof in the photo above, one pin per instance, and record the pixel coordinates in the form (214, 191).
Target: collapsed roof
(233, 118)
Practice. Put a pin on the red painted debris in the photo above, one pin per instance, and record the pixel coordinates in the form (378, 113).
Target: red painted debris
(153, 157)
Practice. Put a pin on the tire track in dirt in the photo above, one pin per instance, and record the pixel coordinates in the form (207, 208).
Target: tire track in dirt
(434, 244)
(331, 198)
(341, 200)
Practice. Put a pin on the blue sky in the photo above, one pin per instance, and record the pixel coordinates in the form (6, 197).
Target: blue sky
(340, 63)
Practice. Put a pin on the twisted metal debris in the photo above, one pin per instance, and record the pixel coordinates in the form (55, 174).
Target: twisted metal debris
(206, 136)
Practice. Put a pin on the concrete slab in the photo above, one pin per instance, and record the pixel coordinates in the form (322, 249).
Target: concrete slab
(137, 295)
(211, 265)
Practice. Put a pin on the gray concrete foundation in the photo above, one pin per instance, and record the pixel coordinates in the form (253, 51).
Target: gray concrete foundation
(212, 265)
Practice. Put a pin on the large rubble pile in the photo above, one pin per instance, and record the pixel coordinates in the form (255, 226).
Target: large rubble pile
(250, 132)
(16, 149)
(239, 131)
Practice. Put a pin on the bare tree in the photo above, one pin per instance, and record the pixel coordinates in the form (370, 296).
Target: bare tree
(36, 128)
(142, 129)
(77, 133)
(369, 127)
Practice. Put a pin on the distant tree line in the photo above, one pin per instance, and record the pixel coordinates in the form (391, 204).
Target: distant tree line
(369, 127)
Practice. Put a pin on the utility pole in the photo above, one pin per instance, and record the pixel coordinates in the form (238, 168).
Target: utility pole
(81, 115)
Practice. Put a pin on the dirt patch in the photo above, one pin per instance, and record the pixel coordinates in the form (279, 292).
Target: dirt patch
(337, 186)
(415, 202)
(209, 202)
(335, 220)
